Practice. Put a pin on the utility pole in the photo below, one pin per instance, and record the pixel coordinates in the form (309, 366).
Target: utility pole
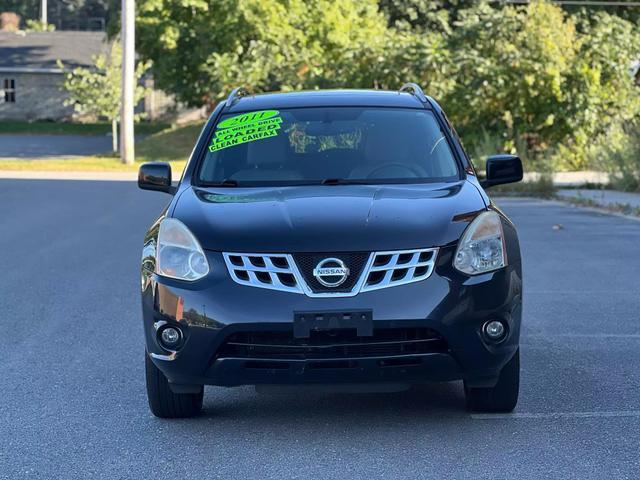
(127, 153)
(43, 12)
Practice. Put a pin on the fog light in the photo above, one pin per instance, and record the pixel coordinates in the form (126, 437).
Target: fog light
(170, 337)
(494, 330)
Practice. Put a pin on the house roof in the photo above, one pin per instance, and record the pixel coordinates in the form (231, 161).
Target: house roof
(40, 51)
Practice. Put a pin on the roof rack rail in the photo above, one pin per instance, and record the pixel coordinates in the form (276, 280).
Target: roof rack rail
(235, 95)
(414, 89)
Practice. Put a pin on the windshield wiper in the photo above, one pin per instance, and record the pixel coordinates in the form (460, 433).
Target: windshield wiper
(342, 181)
(225, 183)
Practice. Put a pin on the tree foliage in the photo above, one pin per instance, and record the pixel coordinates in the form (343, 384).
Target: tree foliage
(96, 91)
(511, 67)
(202, 49)
(64, 14)
(546, 82)
(421, 15)
(602, 96)
(534, 77)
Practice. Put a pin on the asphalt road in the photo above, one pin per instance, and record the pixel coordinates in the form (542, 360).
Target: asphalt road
(47, 146)
(73, 403)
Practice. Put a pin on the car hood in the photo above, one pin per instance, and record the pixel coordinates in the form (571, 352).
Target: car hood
(323, 218)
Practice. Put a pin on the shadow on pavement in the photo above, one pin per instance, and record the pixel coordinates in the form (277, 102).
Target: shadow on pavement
(419, 403)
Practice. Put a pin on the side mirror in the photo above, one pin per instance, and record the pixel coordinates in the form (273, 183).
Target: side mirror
(502, 169)
(155, 176)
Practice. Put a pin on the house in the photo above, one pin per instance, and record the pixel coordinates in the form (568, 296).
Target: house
(31, 79)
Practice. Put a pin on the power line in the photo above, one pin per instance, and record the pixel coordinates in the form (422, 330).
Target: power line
(582, 3)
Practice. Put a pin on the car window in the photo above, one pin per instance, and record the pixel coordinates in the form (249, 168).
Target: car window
(312, 145)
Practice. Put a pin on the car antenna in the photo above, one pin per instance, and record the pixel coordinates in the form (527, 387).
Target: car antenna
(235, 95)
(415, 90)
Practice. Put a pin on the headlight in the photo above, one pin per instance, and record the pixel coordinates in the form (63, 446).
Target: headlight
(179, 254)
(481, 248)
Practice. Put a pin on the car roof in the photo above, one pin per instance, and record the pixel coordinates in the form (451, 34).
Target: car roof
(325, 98)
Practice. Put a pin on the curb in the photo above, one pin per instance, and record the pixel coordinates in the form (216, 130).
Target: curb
(568, 203)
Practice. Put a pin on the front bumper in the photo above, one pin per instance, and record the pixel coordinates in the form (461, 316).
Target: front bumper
(451, 305)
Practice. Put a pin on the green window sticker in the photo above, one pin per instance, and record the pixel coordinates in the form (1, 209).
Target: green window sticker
(244, 128)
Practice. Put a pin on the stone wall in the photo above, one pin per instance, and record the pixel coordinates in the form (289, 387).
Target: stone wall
(38, 97)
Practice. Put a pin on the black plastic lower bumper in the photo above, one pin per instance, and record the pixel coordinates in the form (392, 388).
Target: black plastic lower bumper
(455, 307)
(402, 368)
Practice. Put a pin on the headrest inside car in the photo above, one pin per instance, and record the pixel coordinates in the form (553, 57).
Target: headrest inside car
(268, 151)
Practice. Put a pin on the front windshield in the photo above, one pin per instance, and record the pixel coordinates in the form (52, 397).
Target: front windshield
(336, 144)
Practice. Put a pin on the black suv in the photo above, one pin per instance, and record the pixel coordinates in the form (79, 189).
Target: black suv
(330, 238)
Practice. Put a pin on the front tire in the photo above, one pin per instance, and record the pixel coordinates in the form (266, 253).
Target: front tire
(502, 397)
(163, 402)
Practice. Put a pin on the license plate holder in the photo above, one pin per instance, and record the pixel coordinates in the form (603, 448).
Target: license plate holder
(306, 322)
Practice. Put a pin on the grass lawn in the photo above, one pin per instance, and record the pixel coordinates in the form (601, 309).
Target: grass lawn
(80, 164)
(169, 145)
(61, 128)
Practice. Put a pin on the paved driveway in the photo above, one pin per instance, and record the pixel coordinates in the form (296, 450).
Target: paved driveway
(73, 403)
(45, 146)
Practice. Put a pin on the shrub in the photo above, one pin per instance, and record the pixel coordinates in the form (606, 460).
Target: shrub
(619, 154)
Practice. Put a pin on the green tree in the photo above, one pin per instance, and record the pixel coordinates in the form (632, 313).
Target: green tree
(547, 83)
(38, 26)
(510, 67)
(533, 79)
(25, 8)
(602, 99)
(96, 91)
(64, 14)
(201, 49)
(421, 15)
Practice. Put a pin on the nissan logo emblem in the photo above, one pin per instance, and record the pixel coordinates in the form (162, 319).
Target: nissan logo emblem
(331, 272)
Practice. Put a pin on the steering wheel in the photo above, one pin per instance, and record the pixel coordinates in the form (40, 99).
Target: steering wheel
(414, 169)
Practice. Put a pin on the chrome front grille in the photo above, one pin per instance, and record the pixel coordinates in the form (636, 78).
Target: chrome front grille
(397, 268)
(282, 272)
(276, 272)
